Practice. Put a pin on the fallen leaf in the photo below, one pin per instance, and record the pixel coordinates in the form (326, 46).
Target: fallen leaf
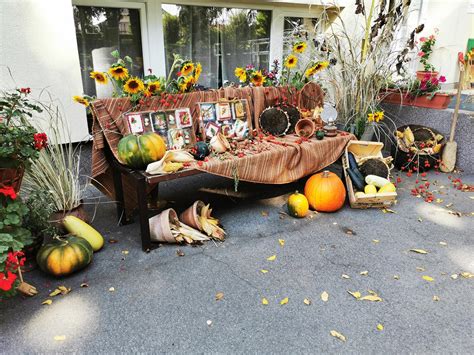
(455, 213)
(284, 301)
(271, 258)
(388, 210)
(219, 296)
(443, 243)
(59, 337)
(209, 322)
(47, 302)
(264, 213)
(125, 252)
(420, 268)
(427, 278)
(379, 326)
(83, 285)
(420, 219)
(396, 277)
(349, 231)
(64, 290)
(113, 241)
(364, 273)
(467, 275)
(337, 335)
(439, 200)
(435, 298)
(454, 276)
(419, 251)
(325, 296)
(449, 205)
(112, 289)
(375, 241)
(371, 298)
(355, 294)
(264, 301)
(344, 276)
(307, 301)
(55, 293)
(372, 292)
(263, 271)
(179, 252)
(281, 242)
(471, 197)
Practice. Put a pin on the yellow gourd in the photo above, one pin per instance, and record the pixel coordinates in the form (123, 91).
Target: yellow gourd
(388, 188)
(370, 189)
(81, 229)
(298, 205)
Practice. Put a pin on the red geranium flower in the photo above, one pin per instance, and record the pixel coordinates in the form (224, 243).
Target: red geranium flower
(8, 192)
(7, 281)
(41, 140)
(25, 90)
(442, 78)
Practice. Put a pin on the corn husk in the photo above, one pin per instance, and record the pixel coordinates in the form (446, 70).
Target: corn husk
(184, 233)
(210, 225)
(171, 162)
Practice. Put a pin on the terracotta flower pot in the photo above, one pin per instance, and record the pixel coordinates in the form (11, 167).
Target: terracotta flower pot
(160, 226)
(12, 176)
(219, 143)
(421, 75)
(305, 128)
(439, 101)
(79, 212)
(191, 215)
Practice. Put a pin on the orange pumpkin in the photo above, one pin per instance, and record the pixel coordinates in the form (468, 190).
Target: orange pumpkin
(325, 192)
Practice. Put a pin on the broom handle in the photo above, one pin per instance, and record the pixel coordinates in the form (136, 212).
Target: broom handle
(458, 103)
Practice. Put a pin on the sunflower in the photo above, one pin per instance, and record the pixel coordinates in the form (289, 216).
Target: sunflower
(153, 87)
(299, 47)
(133, 86)
(370, 117)
(378, 116)
(317, 67)
(100, 77)
(187, 68)
(257, 78)
(291, 61)
(81, 100)
(241, 74)
(119, 72)
(197, 71)
(187, 83)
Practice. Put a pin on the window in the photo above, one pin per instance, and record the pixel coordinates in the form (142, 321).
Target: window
(219, 38)
(99, 31)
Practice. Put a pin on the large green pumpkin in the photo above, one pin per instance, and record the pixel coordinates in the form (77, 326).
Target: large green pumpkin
(64, 255)
(137, 151)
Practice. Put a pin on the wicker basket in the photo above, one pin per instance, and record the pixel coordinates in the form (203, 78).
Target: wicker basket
(362, 149)
(12, 177)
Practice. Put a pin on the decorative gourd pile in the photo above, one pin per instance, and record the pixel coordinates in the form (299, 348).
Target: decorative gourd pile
(370, 176)
(137, 151)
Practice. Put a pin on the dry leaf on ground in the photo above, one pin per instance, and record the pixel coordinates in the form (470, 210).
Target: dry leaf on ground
(59, 337)
(443, 243)
(272, 258)
(379, 326)
(371, 298)
(435, 298)
(337, 335)
(47, 302)
(307, 301)
(454, 276)
(179, 252)
(355, 294)
(344, 276)
(375, 241)
(388, 210)
(264, 213)
(219, 296)
(263, 271)
(364, 273)
(55, 293)
(419, 251)
(325, 296)
(112, 289)
(281, 242)
(83, 285)
(420, 268)
(467, 275)
(264, 301)
(427, 278)
(284, 301)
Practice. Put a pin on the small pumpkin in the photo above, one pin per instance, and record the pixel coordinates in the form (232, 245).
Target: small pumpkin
(64, 255)
(325, 192)
(320, 134)
(137, 151)
(298, 205)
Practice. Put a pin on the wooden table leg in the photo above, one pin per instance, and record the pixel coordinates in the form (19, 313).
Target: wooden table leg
(140, 182)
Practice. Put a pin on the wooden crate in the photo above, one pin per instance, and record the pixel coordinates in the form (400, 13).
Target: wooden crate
(362, 149)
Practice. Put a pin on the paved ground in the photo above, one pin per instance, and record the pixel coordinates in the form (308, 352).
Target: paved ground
(166, 303)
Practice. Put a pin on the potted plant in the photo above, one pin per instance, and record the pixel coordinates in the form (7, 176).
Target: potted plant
(420, 93)
(20, 142)
(13, 238)
(426, 49)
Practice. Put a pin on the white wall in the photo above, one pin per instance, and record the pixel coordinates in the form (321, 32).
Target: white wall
(38, 43)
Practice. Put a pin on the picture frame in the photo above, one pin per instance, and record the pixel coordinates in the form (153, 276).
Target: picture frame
(223, 111)
(135, 122)
(184, 118)
(158, 121)
(207, 112)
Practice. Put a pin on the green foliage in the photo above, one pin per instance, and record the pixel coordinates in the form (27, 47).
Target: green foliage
(40, 206)
(426, 51)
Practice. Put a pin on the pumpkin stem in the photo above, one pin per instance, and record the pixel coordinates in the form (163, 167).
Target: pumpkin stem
(326, 173)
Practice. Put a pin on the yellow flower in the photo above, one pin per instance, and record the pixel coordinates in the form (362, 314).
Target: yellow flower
(153, 87)
(187, 68)
(100, 77)
(257, 78)
(133, 86)
(81, 100)
(317, 67)
(197, 71)
(299, 47)
(378, 116)
(241, 74)
(370, 117)
(291, 61)
(119, 72)
(187, 83)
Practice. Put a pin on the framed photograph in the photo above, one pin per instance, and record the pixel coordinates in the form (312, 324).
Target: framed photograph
(239, 111)
(211, 129)
(176, 138)
(171, 120)
(135, 123)
(228, 130)
(241, 129)
(223, 110)
(158, 121)
(184, 118)
(208, 112)
(147, 125)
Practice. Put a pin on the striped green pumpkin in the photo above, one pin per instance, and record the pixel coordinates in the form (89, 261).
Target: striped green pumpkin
(64, 255)
(137, 151)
